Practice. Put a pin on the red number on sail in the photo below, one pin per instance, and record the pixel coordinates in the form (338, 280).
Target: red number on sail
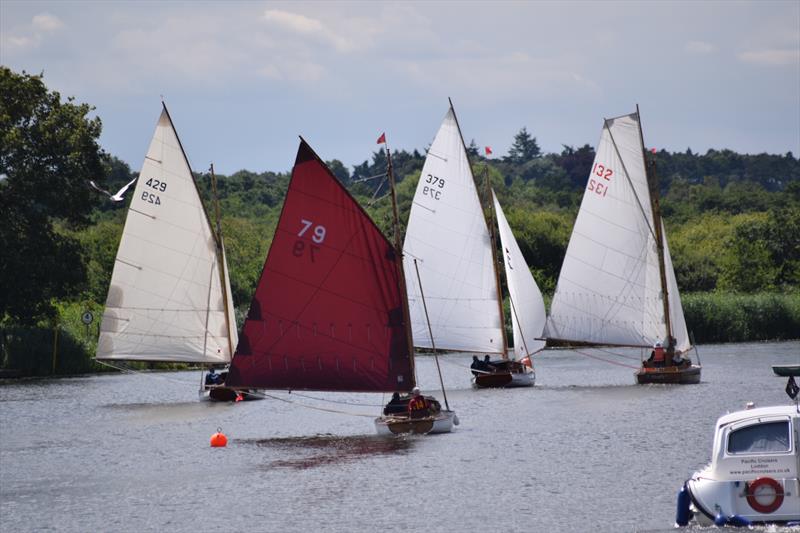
(334, 322)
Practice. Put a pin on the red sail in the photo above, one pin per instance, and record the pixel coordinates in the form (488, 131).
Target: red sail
(328, 310)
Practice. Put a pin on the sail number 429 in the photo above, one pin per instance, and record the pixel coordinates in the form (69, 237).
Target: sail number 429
(601, 171)
(317, 236)
(152, 198)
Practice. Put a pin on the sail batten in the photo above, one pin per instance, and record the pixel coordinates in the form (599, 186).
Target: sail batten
(165, 302)
(327, 313)
(609, 289)
(447, 233)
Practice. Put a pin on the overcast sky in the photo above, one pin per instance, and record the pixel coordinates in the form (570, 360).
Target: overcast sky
(243, 79)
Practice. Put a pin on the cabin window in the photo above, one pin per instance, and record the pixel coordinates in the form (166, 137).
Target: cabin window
(770, 437)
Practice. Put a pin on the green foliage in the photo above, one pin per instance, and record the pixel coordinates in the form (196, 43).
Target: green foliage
(524, 148)
(729, 317)
(48, 153)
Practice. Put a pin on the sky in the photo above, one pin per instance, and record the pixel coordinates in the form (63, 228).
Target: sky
(243, 79)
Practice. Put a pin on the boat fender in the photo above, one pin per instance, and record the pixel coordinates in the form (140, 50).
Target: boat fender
(739, 521)
(456, 421)
(682, 514)
(750, 490)
(720, 520)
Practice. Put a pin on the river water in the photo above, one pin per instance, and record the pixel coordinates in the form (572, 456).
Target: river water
(584, 450)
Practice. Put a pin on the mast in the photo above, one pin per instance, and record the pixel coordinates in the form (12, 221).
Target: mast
(491, 233)
(494, 261)
(222, 267)
(652, 182)
(430, 332)
(399, 251)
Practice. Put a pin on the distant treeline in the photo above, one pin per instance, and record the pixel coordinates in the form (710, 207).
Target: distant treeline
(733, 224)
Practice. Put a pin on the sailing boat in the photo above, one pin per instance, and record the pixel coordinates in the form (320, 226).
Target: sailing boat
(170, 297)
(329, 312)
(448, 236)
(617, 286)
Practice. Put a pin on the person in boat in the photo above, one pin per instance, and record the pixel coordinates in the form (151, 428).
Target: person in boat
(487, 364)
(476, 366)
(418, 405)
(656, 356)
(212, 378)
(396, 405)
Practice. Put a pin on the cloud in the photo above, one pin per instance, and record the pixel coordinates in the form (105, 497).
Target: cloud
(309, 27)
(771, 57)
(46, 22)
(31, 35)
(699, 47)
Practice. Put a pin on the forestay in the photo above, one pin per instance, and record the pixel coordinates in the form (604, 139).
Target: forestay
(609, 289)
(328, 310)
(527, 305)
(166, 300)
(448, 236)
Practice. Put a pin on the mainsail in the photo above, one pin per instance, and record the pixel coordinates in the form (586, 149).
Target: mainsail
(609, 289)
(327, 313)
(167, 301)
(527, 306)
(448, 236)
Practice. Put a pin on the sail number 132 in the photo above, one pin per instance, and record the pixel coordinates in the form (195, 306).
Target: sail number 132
(601, 171)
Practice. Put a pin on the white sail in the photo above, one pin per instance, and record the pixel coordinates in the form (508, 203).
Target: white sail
(609, 289)
(166, 299)
(448, 236)
(527, 305)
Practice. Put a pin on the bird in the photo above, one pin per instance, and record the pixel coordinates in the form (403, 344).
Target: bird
(120, 193)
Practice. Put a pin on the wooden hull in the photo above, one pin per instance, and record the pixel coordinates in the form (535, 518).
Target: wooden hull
(504, 380)
(221, 393)
(441, 422)
(688, 375)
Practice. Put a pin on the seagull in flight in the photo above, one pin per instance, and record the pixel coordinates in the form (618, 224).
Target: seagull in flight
(120, 193)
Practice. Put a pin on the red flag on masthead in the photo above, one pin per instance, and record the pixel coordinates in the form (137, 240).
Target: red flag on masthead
(653, 150)
(382, 138)
(488, 150)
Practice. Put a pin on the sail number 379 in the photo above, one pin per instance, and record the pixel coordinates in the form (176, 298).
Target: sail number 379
(434, 190)
(317, 237)
(601, 171)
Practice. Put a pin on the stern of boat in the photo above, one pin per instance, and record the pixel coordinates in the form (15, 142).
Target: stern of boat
(441, 422)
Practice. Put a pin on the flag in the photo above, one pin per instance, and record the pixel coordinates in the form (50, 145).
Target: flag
(488, 150)
(382, 138)
(239, 397)
(792, 388)
(653, 150)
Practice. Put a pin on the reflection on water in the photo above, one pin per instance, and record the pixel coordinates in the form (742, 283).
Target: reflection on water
(324, 450)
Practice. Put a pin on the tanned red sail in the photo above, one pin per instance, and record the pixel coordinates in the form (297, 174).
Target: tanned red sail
(328, 310)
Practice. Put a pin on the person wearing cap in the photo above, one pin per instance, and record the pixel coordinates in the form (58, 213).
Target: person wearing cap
(418, 405)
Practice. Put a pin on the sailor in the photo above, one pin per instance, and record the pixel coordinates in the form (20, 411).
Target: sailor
(395, 405)
(658, 354)
(476, 365)
(212, 378)
(487, 363)
(418, 405)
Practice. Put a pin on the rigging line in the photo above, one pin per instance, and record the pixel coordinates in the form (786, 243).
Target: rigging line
(337, 401)
(127, 370)
(324, 409)
(605, 360)
(627, 176)
(631, 357)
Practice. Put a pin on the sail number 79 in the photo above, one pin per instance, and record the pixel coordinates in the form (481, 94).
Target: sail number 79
(601, 171)
(317, 236)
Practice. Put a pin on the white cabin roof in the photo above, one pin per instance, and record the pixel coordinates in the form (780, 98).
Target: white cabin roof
(757, 412)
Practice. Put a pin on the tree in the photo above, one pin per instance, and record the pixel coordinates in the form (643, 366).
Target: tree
(524, 148)
(48, 153)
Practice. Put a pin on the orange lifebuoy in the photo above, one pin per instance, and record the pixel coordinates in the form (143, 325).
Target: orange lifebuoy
(777, 500)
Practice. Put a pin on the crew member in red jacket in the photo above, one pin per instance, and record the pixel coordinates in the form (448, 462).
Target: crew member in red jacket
(418, 405)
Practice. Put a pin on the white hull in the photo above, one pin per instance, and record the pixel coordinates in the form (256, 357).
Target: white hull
(441, 422)
(753, 473)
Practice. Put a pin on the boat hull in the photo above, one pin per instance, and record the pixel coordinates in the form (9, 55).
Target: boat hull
(221, 393)
(504, 380)
(441, 422)
(710, 497)
(786, 371)
(688, 375)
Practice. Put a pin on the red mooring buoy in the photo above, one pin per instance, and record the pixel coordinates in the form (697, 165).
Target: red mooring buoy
(218, 439)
